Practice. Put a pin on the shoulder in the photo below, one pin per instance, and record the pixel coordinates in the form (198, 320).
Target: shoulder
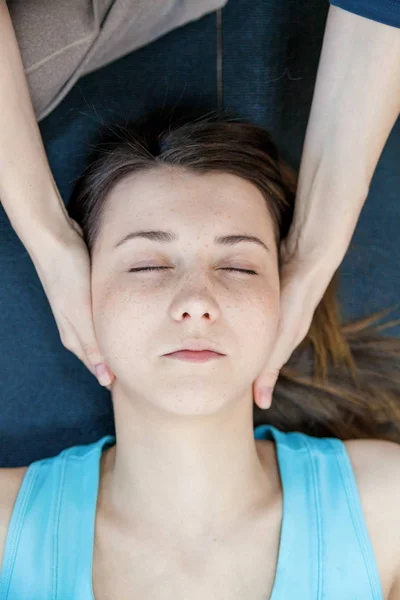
(10, 483)
(378, 457)
(376, 467)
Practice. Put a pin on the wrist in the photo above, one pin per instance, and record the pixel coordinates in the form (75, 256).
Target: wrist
(327, 208)
(45, 234)
(312, 250)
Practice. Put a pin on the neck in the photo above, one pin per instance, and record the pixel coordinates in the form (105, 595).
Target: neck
(187, 476)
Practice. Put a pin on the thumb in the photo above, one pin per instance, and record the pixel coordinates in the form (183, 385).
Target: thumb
(94, 359)
(265, 383)
(264, 386)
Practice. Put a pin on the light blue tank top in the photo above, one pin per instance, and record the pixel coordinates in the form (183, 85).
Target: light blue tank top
(325, 551)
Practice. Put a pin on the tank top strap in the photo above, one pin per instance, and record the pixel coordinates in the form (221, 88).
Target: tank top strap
(81, 487)
(50, 533)
(325, 550)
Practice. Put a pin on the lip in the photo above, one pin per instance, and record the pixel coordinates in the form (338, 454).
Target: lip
(194, 355)
(197, 345)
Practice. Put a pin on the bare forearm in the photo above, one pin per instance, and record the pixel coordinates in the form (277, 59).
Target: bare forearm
(28, 191)
(355, 105)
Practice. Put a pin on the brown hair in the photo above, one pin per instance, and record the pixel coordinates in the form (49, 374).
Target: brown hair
(342, 381)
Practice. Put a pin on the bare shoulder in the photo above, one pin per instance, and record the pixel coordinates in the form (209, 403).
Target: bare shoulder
(10, 483)
(376, 461)
(376, 467)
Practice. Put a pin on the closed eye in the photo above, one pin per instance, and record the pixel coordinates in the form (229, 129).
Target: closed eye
(249, 271)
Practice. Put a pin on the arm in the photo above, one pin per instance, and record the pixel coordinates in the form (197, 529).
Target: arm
(36, 211)
(355, 105)
(376, 467)
(28, 192)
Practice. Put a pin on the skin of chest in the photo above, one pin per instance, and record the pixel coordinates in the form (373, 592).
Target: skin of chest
(239, 567)
(236, 566)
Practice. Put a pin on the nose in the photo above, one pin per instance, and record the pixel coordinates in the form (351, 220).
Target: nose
(197, 305)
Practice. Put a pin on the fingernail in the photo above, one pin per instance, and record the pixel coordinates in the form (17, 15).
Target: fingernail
(266, 396)
(102, 374)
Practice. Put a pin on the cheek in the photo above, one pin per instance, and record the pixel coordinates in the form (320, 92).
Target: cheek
(261, 326)
(267, 318)
(263, 301)
(123, 321)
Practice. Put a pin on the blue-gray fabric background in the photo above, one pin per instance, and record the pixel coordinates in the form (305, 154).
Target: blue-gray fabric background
(270, 51)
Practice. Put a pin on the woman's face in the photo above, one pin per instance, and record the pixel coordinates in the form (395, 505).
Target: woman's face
(140, 316)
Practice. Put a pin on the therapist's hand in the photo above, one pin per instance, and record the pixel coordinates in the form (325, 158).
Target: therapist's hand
(356, 102)
(64, 270)
(303, 283)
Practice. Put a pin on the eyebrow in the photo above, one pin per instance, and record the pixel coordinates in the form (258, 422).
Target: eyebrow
(169, 236)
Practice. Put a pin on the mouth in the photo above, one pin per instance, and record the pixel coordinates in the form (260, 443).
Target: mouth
(194, 355)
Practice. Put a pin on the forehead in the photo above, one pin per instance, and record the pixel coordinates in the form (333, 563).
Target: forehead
(178, 191)
(185, 201)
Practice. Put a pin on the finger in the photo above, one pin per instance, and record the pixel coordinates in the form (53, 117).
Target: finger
(86, 354)
(280, 354)
(286, 342)
(83, 330)
(72, 343)
(265, 382)
(100, 370)
(90, 347)
(263, 389)
(285, 345)
(77, 349)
